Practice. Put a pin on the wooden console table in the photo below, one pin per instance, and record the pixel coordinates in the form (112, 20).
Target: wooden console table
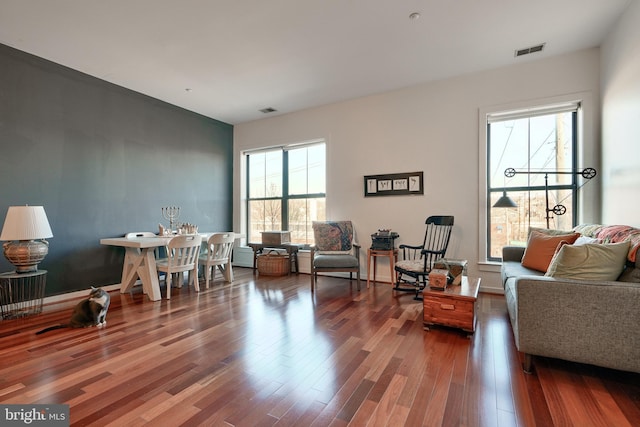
(455, 306)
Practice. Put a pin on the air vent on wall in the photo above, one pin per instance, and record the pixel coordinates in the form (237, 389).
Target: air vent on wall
(528, 50)
(268, 110)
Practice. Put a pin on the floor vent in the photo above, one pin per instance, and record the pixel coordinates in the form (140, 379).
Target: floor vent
(528, 50)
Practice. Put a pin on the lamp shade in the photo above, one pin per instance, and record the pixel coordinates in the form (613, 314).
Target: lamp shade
(26, 223)
(505, 202)
(24, 231)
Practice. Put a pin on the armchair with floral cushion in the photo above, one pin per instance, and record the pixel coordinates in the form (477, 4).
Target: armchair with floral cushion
(335, 250)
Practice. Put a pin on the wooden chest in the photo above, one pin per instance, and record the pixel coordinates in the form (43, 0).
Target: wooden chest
(455, 306)
(276, 237)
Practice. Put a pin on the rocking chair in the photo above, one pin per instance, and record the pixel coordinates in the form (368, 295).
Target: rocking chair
(413, 271)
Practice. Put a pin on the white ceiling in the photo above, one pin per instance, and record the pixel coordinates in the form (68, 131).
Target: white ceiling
(227, 59)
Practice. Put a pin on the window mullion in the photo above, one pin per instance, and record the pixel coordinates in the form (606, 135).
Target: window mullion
(285, 190)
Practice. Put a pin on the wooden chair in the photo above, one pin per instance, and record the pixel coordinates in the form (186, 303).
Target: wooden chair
(418, 260)
(334, 250)
(218, 254)
(182, 255)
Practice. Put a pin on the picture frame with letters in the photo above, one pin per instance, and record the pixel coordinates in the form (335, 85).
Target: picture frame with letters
(394, 184)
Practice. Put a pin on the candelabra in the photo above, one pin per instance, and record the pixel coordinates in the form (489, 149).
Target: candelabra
(171, 214)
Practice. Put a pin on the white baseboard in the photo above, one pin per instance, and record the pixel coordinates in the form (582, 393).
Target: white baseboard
(78, 294)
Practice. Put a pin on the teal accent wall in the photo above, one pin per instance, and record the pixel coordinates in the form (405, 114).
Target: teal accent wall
(103, 160)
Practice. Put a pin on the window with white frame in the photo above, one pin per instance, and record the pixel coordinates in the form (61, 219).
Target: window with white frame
(531, 143)
(286, 190)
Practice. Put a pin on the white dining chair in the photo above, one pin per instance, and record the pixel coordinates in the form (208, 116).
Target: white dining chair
(182, 256)
(218, 254)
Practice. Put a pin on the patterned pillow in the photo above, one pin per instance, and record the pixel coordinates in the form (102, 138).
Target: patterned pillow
(333, 236)
(622, 233)
(590, 230)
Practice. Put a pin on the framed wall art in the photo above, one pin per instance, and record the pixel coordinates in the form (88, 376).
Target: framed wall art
(394, 184)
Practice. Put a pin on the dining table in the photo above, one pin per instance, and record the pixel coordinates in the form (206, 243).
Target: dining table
(140, 261)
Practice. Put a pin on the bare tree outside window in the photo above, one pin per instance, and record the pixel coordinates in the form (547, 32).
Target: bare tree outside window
(286, 189)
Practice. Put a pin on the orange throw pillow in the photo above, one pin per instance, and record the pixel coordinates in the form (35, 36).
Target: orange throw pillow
(541, 248)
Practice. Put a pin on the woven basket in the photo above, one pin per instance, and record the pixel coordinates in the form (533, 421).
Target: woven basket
(273, 264)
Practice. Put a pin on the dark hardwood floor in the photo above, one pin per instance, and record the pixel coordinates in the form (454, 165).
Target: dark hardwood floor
(266, 351)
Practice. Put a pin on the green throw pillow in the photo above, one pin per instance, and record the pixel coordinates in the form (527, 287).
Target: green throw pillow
(592, 261)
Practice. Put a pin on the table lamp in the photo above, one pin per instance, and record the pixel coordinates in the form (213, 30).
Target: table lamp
(24, 231)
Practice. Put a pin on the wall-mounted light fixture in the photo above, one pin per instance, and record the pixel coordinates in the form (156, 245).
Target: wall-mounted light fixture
(506, 202)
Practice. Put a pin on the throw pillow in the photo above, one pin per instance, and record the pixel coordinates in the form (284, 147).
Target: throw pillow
(541, 248)
(583, 240)
(592, 261)
(333, 236)
(549, 231)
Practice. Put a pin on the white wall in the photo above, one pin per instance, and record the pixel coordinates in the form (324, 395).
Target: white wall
(621, 120)
(431, 127)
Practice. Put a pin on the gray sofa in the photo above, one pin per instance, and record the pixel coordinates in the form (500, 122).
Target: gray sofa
(593, 322)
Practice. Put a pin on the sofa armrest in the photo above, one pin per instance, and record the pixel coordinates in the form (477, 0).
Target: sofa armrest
(512, 253)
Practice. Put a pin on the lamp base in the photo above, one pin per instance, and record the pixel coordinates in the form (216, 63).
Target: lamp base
(25, 255)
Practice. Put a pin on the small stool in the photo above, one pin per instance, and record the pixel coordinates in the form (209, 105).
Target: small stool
(392, 254)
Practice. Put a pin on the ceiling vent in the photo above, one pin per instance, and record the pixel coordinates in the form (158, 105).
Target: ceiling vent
(268, 110)
(528, 50)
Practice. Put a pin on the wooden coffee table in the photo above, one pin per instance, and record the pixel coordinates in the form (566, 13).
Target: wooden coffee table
(455, 306)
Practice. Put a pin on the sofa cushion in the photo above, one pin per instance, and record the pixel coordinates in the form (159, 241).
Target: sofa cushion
(335, 261)
(549, 231)
(513, 269)
(631, 273)
(583, 240)
(613, 234)
(591, 261)
(590, 230)
(541, 248)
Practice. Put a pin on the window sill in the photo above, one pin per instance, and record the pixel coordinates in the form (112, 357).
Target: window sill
(490, 266)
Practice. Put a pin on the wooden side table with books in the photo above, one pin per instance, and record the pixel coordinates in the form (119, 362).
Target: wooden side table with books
(455, 306)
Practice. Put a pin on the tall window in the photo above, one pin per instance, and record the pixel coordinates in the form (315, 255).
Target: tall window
(531, 142)
(286, 190)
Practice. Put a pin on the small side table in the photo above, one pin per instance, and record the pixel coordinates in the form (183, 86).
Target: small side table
(392, 254)
(455, 306)
(21, 294)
